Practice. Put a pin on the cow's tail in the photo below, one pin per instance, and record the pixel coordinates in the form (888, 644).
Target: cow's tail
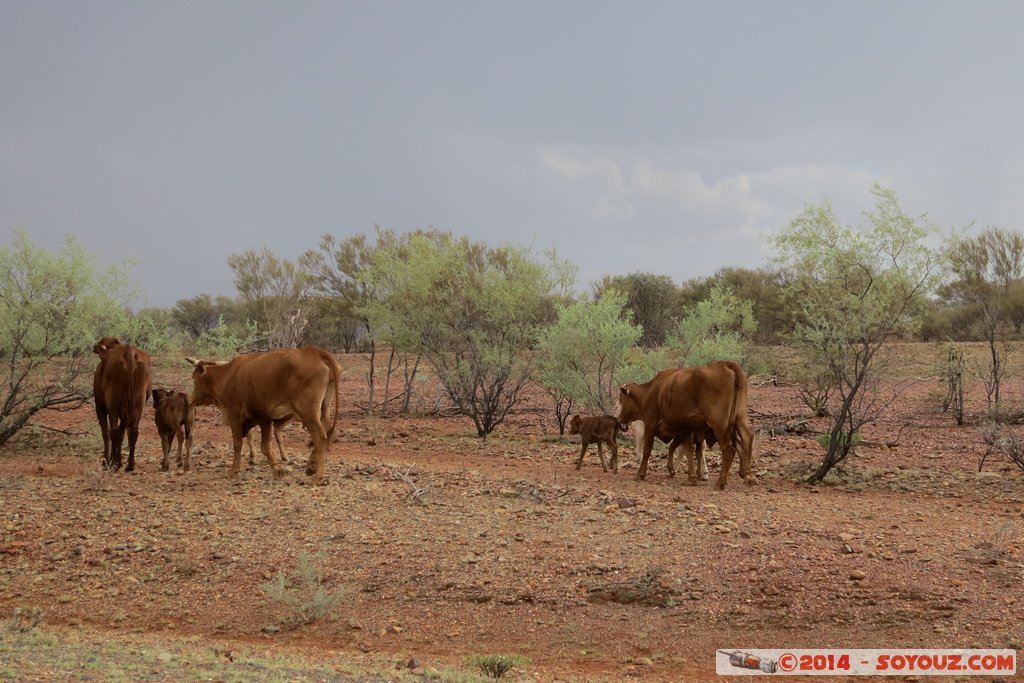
(336, 381)
(128, 415)
(742, 435)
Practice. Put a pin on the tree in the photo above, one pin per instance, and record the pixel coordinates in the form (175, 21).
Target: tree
(200, 314)
(651, 299)
(580, 354)
(857, 290)
(472, 311)
(716, 328)
(988, 267)
(53, 308)
(760, 286)
(274, 295)
(339, 270)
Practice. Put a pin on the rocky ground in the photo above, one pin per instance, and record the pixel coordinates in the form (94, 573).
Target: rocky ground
(442, 546)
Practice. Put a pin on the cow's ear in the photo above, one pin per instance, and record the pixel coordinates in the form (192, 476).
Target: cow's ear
(624, 390)
(98, 348)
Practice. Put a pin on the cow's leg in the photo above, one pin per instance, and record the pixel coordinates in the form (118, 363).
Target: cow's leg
(252, 451)
(188, 447)
(702, 462)
(103, 417)
(746, 450)
(615, 455)
(583, 452)
(117, 427)
(600, 455)
(315, 466)
(649, 432)
(236, 441)
(280, 441)
(133, 437)
(179, 435)
(165, 446)
(276, 468)
(672, 457)
(728, 446)
(691, 471)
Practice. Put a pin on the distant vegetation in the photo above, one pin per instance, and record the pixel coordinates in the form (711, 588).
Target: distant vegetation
(484, 322)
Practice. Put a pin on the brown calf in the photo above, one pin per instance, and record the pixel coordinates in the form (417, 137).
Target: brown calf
(602, 429)
(174, 415)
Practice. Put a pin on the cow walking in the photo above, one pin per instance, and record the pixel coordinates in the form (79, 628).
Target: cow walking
(691, 400)
(599, 429)
(261, 389)
(121, 385)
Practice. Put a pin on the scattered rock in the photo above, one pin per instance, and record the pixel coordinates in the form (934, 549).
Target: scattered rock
(857, 575)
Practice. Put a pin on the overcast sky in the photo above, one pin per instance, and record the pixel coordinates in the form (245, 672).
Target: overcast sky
(658, 136)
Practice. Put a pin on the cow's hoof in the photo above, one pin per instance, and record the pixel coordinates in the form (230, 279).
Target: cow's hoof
(278, 472)
(310, 470)
(691, 481)
(750, 480)
(164, 467)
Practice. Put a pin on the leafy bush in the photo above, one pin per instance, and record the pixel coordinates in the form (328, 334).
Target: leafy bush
(496, 666)
(226, 341)
(304, 593)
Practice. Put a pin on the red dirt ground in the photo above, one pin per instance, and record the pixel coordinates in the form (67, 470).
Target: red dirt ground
(592, 576)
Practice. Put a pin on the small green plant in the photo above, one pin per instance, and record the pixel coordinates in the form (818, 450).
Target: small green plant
(25, 619)
(852, 440)
(305, 594)
(496, 666)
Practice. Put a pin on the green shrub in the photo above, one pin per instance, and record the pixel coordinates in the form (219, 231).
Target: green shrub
(304, 594)
(496, 666)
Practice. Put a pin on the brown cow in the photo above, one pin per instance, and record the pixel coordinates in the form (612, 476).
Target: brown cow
(120, 386)
(264, 388)
(175, 415)
(600, 429)
(691, 400)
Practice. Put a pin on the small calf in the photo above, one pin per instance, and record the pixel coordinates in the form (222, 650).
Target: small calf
(602, 429)
(693, 443)
(279, 424)
(174, 415)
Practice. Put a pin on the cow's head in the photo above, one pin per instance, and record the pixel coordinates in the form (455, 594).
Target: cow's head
(105, 344)
(202, 386)
(628, 409)
(160, 395)
(574, 424)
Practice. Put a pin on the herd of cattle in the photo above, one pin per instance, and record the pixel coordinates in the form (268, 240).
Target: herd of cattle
(687, 407)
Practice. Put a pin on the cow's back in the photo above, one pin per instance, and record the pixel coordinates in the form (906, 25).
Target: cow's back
(259, 381)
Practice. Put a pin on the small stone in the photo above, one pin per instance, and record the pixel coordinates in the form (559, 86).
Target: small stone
(165, 657)
(643, 661)
(271, 629)
(857, 575)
